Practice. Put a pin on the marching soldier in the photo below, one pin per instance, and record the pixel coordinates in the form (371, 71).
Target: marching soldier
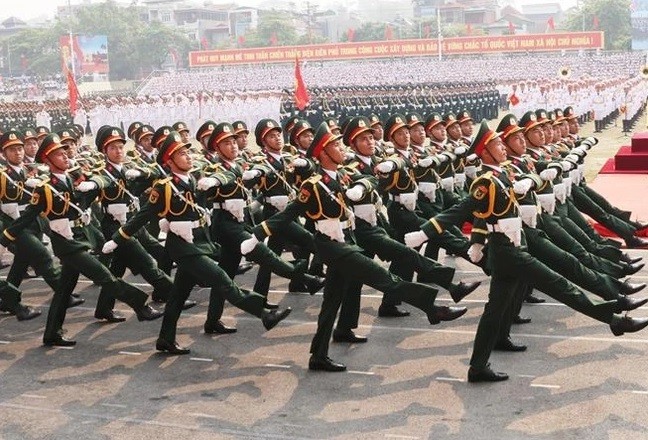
(58, 202)
(188, 242)
(492, 202)
(322, 199)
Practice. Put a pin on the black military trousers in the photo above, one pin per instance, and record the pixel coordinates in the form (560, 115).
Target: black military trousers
(353, 265)
(508, 263)
(205, 271)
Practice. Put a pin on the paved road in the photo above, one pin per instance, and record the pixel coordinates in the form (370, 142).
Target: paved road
(576, 381)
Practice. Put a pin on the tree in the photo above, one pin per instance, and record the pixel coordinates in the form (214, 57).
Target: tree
(613, 17)
(274, 29)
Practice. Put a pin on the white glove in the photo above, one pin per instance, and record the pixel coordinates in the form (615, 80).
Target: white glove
(591, 140)
(460, 150)
(248, 245)
(476, 252)
(549, 174)
(522, 186)
(386, 166)
(86, 217)
(87, 186)
(109, 247)
(471, 171)
(355, 193)
(426, 162)
(471, 157)
(572, 158)
(415, 239)
(164, 225)
(251, 174)
(32, 182)
(132, 174)
(300, 162)
(579, 151)
(349, 156)
(566, 165)
(442, 158)
(207, 182)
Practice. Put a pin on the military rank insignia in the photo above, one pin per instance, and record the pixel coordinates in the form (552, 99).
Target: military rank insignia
(304, 195)
(154, 196)
(480, 192)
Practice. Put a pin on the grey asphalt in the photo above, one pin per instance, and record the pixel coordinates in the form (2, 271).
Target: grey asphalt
(408, 382)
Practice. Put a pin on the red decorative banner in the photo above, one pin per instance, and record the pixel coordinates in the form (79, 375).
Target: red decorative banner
(401, 48)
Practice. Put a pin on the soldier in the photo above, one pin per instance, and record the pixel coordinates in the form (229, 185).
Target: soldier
(492, 204)
(57, 201)
(223, 187)
(321, 198)
(190, 246)
(118, 204)
(273, 184)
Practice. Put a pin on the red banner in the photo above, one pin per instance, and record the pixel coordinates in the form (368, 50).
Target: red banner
(401, 48)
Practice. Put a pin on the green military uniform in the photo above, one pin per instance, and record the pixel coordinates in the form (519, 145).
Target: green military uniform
(118, 204)
(321, 198)
(72, 238)
(274, 186)
(190, 246)
(229, 199)
(492, 203)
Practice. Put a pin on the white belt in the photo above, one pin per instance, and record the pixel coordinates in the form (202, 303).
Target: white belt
(447, 183)
(236, 207)
(333, 228)
(529, 214)
(459, 180)
(366, 212)
(13, 210)
(408, 200)
(279, 202)
(429, 190)
(511, 227)
(548, 202)
(560, 192)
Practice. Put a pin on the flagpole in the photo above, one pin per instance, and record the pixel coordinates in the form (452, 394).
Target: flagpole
(70, 40)
(439, 37)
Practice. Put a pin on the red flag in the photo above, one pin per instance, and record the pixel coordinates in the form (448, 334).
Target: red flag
(468, 29)
(73, 92)
(174, 56)
(514, 99)
(350, 34)
(389, 32)
(241, 40)
(273, 39)
(204, 43)
(595, 23)
(301, 92)
(426, 31)
(511, 27)
(550, 24)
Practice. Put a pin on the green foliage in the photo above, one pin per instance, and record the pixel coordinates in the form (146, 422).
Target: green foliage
(134, 48)
(613, 17)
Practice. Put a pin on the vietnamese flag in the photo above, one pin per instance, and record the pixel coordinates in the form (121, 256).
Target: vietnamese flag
(73, 92)
(511, 27)
(595, 23)
(550, 24)
(514, 100)
(301, 92)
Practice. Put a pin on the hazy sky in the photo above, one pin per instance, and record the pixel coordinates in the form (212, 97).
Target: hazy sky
(29, 9)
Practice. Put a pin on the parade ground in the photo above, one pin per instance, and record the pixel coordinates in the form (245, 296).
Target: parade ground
(407, 382)
(576, 380)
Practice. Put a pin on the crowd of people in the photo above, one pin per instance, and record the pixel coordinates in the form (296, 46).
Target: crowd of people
(373, 178)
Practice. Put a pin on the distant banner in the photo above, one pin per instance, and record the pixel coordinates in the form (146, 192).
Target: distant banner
(90, 53)
(401, 48)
